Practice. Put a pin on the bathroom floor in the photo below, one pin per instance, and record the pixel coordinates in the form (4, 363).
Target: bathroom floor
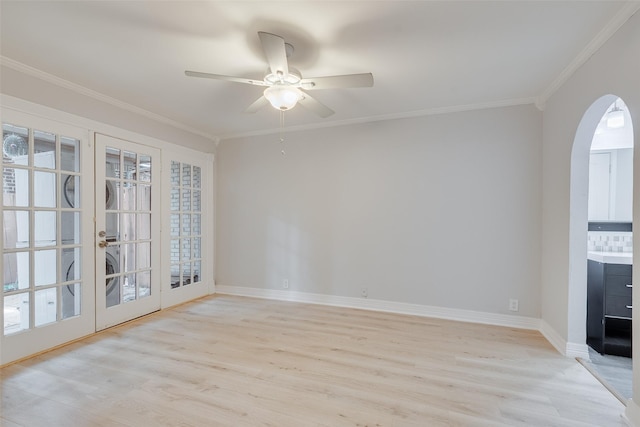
(614, 371)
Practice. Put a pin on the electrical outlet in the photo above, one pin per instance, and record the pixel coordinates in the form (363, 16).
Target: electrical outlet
(285, 283)
(513, 304)
(364, 292)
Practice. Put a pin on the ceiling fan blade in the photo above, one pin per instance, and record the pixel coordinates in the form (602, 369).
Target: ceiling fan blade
(314, 105)
(226, 78)
(275, 52)
(258, 104)
(338, 82)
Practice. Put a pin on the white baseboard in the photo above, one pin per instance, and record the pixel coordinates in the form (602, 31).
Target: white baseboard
(519, 322)
(553, 337)
(577, 350)
(565, 348)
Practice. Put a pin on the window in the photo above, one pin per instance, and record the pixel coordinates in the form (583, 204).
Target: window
(186, 224)
(41, 228)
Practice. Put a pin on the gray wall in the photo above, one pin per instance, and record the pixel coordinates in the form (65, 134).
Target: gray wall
(614, 70)
(571, 114)
(440, 210)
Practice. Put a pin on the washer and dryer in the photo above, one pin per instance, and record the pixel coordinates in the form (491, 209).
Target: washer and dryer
(112, 253)
(70, 269)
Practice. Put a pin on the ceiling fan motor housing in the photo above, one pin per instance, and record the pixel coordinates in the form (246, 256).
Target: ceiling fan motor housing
(293, 77)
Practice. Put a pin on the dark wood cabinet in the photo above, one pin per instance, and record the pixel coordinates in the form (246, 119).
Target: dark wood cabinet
(609, 288)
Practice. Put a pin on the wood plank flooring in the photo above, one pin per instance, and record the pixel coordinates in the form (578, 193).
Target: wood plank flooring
(235, 361)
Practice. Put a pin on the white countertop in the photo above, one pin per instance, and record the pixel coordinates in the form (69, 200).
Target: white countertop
(611, 257)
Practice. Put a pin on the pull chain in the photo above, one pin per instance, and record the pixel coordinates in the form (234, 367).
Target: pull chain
(282, 133)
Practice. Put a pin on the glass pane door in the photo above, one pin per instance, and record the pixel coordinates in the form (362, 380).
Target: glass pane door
(188, 213)
(127, 227)
(44, 273)
(186, 224)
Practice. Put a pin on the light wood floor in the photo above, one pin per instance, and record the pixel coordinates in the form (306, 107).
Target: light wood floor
(232, 361)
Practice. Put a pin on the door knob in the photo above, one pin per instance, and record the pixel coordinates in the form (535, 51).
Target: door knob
(102, 234)
(103, 244)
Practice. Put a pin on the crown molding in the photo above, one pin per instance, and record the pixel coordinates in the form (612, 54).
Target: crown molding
(626, 11)
(384, 117)
(623, 15)
(50, 78)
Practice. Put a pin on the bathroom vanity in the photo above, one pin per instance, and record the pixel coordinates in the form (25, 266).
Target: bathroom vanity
(609, 306)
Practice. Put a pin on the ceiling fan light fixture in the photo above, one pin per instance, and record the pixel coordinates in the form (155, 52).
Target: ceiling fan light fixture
(282, 97)
(285, 87)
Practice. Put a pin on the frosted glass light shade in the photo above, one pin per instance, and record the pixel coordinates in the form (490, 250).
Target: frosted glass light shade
(282, 97)
(615, 118)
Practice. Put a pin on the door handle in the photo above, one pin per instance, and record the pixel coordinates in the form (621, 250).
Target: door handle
(103, 243)
(102, 234)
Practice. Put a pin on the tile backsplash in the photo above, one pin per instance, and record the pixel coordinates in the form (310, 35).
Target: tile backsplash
(610, 241)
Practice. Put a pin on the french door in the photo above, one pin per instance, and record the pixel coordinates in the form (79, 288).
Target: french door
(47, 251)
(127, 233)
(187, 179)
(81, 246)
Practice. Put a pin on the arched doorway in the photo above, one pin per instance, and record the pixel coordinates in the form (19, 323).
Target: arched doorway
(579, 221)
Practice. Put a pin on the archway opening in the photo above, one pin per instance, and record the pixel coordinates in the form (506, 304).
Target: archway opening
(600, 236)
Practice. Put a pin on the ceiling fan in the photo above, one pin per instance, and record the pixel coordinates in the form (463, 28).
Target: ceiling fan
(285, 86)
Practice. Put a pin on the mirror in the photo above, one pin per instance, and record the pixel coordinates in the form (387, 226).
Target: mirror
(611, 167)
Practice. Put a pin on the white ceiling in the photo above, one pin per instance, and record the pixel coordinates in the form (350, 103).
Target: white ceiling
(425, 56)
